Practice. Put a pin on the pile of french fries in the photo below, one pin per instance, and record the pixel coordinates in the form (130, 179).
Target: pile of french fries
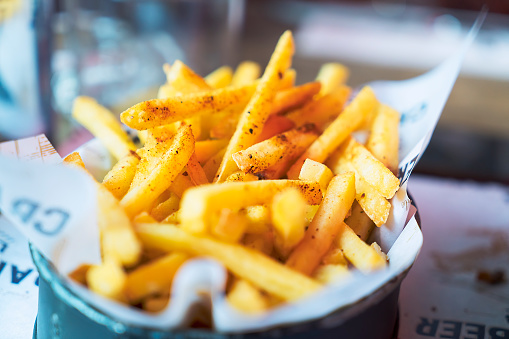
(260, 174)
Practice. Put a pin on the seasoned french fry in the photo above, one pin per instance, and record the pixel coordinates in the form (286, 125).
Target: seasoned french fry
(241, 176)
(294, 97)
(259, 219)
(260, 270)
(142, 196)
(258, 109)
(181, 184)
(103, 125)
(270, 152)
(326, 225)
(154, 278)
(334, 256)
(220, 78)
(212, 165)
(322, 110)
(360, 254)
(144, 217)
(181, 79)
(245, 73)
(263, 242)
(359, 222)
(230, 226)
(383, 141)
(107, 279)
(199, 203)
(119, 178)
(247, 298)
(158, 112)
(288, 79)
(316, 171)
(331, 76)
(288, 218)
(165, 208)
(205, 149)
(275, 124)
(338, 130)
(368, 167)
(74, 159)
(195, 171)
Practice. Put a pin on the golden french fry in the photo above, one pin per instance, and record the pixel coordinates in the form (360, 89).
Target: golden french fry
(275, 124)
(74, 159)
(325, 226)
(156, 304)
(246, 297)
(241, 176)
(230, 226)
(289, 220)
(270, 152)
(181, 184)
(294, 97)
(330, 274)
(369, 168)
(259, 219)
(165, 208)
(359, 222)
(331, 76)
(360, 254)
(140, 197)
(334, 256)
(323, 110)
(261, 242)
(338, 130)
(212, 165)
(200, 203)
(103, 125)
(260, 270)
(144, 217)
(158, 112)
(153, 278)
(195, 171)
(119, 178)
(245, 73)
(220, 78)
(316, 171)
(205, 149)
(383, 141)
(107, 279)
(181, 79)
(257, 110)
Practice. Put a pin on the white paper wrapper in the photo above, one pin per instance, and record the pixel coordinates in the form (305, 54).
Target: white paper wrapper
(31, 193)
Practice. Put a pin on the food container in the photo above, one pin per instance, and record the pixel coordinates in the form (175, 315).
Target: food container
(63, 314)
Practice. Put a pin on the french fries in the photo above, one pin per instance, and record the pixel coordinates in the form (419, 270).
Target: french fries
(257, 173)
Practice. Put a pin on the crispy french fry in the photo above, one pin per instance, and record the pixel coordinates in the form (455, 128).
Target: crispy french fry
(288, 79)
(154, 278)
(275, 124)
(247, 298)
(144, 217)
(241, 176)
(245, 73)
(205, 149)
(322, 110)
(158, 112)
(195, 171)
(326, 225)
(259, 218)
(338, 130)
(119, 178)
(165, 208)
(74, 159)
(270, 152)
(373, 203)
(258, 269)
(331, 76)
(316, 171)
(258, 109)
(107, 279)
(383, 141)
(200, 203)
(288, 218)
(212, 165)
(142, 196)
(359, 222)
(103, 125)
(230, 226)
(360, 254)
(220, 78)
(181, 79)
(330, 274)
(262, 242)
(294, 97)
(181, 184)
(368, 167)
(334, 256)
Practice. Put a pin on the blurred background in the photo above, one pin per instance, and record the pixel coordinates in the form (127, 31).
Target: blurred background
(52, 51)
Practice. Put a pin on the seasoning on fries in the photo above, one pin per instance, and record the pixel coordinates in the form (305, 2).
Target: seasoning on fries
(257, 173)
